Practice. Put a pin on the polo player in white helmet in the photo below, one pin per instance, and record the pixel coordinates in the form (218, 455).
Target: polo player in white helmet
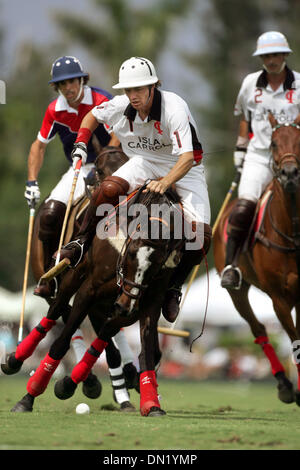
(276, 88)
(159, 135)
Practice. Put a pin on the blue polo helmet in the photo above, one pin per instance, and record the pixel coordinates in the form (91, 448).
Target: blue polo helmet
(66, 67)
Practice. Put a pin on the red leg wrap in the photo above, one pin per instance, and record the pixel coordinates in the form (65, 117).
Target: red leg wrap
(28, 345)
(83, 368)
(269, 351)
(298, 368)
(37, 384)
(148, 392)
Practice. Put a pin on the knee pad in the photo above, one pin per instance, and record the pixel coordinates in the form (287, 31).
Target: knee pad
(51, 220)
(110, 189)
(242, 215)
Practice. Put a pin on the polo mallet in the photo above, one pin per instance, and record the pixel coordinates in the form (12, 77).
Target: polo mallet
(233, 186)
(28, 251)
(63, 230)
(60, 266)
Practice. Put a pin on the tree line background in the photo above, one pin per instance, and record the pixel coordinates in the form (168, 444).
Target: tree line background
(121, 29)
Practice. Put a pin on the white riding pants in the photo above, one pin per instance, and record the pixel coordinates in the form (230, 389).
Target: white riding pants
(192, 188)
(62, 190)
(256, 176)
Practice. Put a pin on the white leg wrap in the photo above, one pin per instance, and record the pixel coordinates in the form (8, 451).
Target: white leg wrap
(118, 384)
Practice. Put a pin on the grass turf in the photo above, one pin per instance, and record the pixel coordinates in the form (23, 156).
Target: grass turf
(200, 415)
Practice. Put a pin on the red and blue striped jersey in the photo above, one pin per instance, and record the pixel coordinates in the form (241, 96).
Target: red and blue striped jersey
(65, 121)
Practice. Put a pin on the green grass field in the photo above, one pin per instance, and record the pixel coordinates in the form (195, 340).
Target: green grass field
(200, 415)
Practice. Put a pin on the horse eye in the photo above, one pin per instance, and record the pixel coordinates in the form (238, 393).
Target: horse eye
(273, 144)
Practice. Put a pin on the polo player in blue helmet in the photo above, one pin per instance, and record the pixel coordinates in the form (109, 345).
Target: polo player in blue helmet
(63, 117)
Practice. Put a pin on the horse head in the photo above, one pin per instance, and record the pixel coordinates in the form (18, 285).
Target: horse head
(150, 242)
(285, 148)
(107, 162)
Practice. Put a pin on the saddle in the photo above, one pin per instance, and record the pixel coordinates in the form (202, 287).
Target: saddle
(256, 230)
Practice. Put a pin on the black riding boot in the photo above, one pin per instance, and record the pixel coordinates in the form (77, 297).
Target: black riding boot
(238, 226)
(51, 221)
(191, 258)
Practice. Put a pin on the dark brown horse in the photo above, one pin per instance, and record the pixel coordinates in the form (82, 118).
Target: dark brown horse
(126, 281)
(271, 259)
(108, 161)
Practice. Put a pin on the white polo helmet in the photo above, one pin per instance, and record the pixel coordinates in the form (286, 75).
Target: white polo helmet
(136, 71)
(272, 42)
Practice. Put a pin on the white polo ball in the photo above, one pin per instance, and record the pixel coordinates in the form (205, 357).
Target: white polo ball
(82, 409)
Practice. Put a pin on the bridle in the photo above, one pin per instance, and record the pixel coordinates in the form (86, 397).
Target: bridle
(286, 157)
(168, 247)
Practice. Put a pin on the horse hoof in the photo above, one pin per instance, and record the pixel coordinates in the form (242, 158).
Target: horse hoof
(65, 388)
(23, 405)
(297, 397)
(126, 406)
(156, 412)
(91, 387)
(11, 365)
(286, 392)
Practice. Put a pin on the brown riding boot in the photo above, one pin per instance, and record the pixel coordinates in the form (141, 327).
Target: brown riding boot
(109, 192)
(191, 258)
(239, 223)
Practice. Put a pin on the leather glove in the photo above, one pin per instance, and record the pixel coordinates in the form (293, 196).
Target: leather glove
(79, 152)
(32, 193)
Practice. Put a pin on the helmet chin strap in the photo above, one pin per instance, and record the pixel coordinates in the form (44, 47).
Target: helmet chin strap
(275, 73)
(80, 89)
(149, 96)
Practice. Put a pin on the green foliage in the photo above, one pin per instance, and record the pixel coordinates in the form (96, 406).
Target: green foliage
(28, 95)
(121, 31)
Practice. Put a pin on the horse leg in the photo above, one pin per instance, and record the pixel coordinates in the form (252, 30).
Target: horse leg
(91, 387)
(296, 355)
(241, 302)
(117, 377)
(129, 369)
(149, 403)
(38, 382)
(283, 312)
(25, 348)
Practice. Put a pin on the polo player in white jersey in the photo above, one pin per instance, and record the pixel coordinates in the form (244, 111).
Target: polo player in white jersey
(274, 89)
(159, 135)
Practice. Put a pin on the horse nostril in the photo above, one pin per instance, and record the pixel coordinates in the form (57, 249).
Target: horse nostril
(290, 172)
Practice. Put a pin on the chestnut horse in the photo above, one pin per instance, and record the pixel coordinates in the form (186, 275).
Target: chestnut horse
(107, 162)
(270, 259)
(126, 280)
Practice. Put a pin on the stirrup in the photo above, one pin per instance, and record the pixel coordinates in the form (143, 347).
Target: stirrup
(239, 273)
(55, 288)
(75, 244)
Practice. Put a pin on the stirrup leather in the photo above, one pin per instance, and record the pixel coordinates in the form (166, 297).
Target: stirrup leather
(237, 270)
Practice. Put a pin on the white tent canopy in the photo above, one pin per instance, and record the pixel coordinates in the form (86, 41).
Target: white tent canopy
(221, 310)
(11, 305)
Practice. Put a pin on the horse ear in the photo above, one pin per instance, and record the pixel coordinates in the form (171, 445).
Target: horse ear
(297, 120)
(272, 120)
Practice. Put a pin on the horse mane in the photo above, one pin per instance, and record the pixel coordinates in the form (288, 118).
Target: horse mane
(151, 197)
